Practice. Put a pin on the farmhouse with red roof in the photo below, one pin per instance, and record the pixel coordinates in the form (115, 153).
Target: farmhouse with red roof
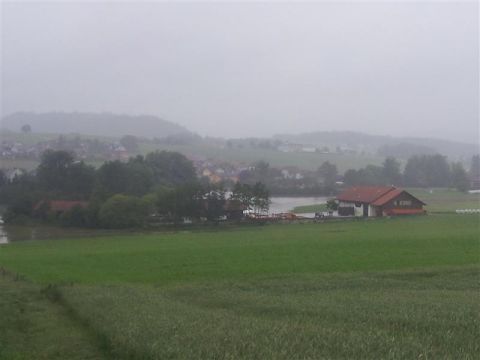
(378, 201)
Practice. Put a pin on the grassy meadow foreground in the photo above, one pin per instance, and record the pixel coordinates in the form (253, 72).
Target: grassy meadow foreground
(387, 288)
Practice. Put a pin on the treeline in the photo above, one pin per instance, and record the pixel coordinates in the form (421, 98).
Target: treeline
(419, 171)
(161, 187)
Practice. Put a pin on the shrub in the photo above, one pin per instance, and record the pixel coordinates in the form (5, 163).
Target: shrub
(122, 211)
(75, 217)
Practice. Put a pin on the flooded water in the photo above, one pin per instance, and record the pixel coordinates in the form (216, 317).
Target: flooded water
(11, 233)
(286, 204)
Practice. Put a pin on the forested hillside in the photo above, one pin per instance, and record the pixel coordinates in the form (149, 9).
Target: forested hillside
(100, 124)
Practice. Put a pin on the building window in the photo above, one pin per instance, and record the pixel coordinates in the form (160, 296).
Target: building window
(358, 204)
(405, 203)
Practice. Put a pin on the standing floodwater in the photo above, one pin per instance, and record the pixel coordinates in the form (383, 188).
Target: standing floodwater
(286, 204)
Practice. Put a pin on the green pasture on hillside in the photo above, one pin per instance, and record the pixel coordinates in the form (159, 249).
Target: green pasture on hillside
(383, 288)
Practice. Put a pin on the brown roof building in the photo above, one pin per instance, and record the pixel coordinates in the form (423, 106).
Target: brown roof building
(378, 201)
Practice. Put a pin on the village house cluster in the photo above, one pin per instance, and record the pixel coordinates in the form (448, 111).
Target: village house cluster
(84, 149)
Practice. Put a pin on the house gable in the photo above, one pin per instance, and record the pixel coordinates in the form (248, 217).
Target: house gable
(404, 200)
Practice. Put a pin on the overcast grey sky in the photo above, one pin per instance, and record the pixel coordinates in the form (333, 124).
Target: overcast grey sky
(251, 69)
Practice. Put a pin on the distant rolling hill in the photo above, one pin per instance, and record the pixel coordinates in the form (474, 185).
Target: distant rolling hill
(102, 124)
(401, 147)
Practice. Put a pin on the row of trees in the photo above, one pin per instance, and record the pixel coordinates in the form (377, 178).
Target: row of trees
(419, 171)
(122, 194)
(193, 201)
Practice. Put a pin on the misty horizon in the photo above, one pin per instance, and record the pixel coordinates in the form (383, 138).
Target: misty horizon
(250, 70)
(272, 136)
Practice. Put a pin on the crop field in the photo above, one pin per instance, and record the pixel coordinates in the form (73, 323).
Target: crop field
(385, 288)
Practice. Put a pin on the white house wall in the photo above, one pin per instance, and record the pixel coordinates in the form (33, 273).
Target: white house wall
(358, 211)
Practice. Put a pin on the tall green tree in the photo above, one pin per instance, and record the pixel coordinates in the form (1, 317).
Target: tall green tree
(460, 177)
(261, 198)
(370, 175)
(244, 194)
(475, 168)
(52, 172)
(140, 177)
(59, 173)
(134, 177)
(427, 171)
(112, 178)
(328, 173)
(214, 202)
(391, 171)
(170, 168)
(184, 201)
(123, 211)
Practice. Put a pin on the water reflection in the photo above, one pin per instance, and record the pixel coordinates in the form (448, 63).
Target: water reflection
(13, 233)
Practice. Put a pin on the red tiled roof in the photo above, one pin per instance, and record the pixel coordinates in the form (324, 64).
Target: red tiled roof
(364, 194)
(405, 211)
(392, 195)
(382, 200)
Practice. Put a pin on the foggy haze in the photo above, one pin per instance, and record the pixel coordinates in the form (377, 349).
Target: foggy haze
(251, 69)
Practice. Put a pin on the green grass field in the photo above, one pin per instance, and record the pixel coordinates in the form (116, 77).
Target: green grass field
(386, 288)
(446, 200)
(31, 327)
